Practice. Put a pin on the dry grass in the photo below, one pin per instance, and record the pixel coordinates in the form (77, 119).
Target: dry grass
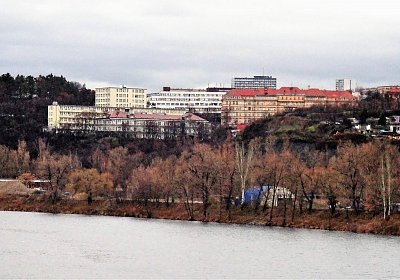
(14, 188)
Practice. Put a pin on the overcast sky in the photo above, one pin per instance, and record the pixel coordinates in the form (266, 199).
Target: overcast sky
(187, 43)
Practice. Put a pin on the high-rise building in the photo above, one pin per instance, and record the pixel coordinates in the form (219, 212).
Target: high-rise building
(255, 82)
(345, 84)
(121, 97)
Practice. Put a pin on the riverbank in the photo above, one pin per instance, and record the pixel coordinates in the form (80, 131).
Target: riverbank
(318, 219)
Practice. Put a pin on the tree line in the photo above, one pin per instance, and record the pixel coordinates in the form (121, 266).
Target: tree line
(24, 101)
(362, 177)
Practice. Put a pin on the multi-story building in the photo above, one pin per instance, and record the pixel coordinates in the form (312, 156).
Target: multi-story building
(255, 82)
(138, 124)
(345, 84)
(388, 89)
(121, 97)
(243, 106)
(63, 116)
(190, 100)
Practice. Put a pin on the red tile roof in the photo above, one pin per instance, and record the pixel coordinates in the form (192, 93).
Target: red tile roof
(394, 91)
(187, 116)
(118, 114)
(241, 126)
(290, 91)
(193, 117)
(245, 92)
(286, 90)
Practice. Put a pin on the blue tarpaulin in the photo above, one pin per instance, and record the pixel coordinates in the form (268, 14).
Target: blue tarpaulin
(253, 193)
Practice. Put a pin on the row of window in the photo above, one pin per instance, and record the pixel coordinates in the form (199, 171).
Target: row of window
(156, 99)
(122, 95)
(252, 109)
(188, 104)
(102, 100)
(75, 108)
(131, 123)
(252, 115)
(206, 94)
(130, 90)
(102, 90)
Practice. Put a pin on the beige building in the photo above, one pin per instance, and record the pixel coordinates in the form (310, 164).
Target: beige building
(65, 116)
(387, 89)
(243, 106)
(137, 123)
(121, 97)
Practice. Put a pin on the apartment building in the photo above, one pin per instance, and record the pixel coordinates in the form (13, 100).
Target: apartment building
(190, 100)
(140, 125)
(121, 97)
(254, 82)
(243, 106)
(64, 116)
(345, 84)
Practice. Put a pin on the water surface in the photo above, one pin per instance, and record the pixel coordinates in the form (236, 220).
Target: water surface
(36, 245)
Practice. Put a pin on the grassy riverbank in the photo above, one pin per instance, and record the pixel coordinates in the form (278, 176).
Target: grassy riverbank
(318, 219)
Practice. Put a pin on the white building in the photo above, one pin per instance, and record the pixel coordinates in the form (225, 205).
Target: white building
(121, 97)
(191, 100)
(394, 124)
(345, 84)
(63, 116)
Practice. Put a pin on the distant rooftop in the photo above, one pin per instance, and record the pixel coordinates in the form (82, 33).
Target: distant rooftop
(290, 91)
(120, 87)
(155, 116)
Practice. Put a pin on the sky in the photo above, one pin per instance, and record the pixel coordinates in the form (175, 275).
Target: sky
(193, 44)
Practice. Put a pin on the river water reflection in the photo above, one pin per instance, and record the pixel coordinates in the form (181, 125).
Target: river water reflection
(34, 245)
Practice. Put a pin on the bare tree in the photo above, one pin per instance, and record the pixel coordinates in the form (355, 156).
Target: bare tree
(55, 168)
(244, 161)
(226, 169)
(348, 163)
(143, 187)
(8, 162)
(167, 175)
(186, 184)
(275, 169)
(260, 178)
(119, 166)
(202, 165)
(389, 172)
(90, 182)
(23, 158)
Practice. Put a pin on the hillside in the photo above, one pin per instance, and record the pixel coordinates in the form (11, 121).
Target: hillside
(24, 101)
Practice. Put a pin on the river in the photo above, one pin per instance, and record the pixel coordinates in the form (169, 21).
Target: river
(36, 245)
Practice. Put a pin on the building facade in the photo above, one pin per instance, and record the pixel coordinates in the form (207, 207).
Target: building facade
(394, 124)
(140, 125)
(62, 116)
(243, 106)
(121, 97)
(387, 89)
(190, 100)
(345, 84)
(254, 82)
